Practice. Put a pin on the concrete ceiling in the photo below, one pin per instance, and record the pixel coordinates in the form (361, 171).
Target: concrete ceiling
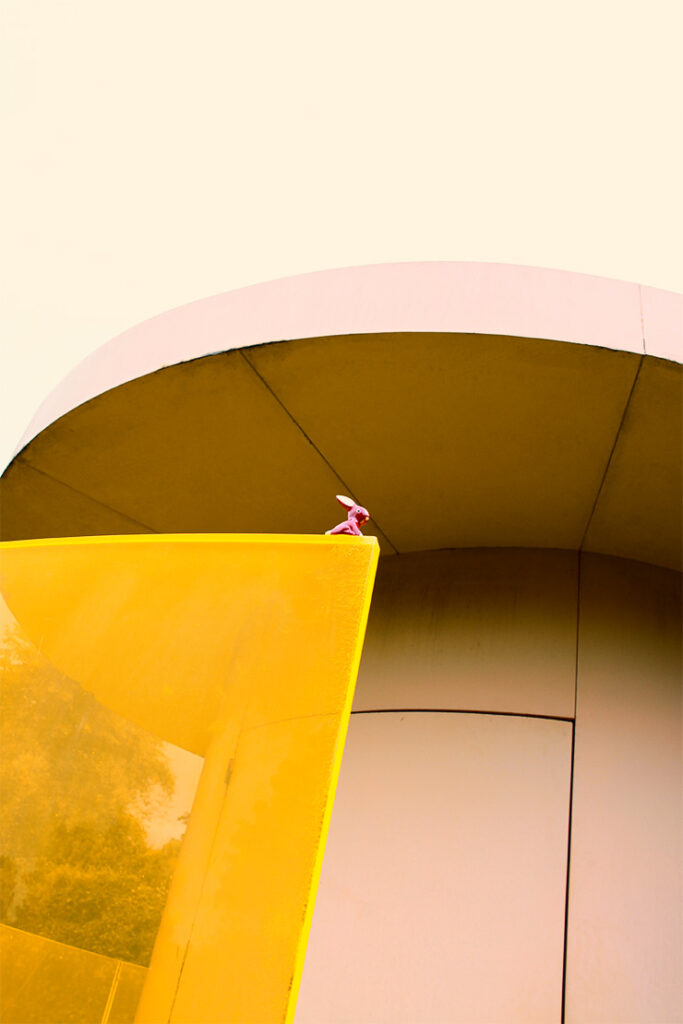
(450, 439)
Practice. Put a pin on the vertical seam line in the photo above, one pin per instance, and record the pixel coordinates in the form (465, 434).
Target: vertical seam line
(611, 454)
(112, 993)
(310, 440)
(642, 317)
(570, 810)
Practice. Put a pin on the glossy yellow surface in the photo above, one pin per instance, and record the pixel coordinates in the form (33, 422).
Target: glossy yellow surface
(170, 631)
(92, 811)
(244, 649)
(47, 982)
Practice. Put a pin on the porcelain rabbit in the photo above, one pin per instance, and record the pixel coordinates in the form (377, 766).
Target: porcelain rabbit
(357, 517)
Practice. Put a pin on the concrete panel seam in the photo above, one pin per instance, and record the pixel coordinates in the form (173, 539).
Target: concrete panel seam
(82, 494)
(578, 616)
(345, 486)
(566, 889)
(611, 454)
(571, 792)
(460, 711)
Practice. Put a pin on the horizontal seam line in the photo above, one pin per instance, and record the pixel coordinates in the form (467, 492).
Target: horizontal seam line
(460, 711)
(294, 718)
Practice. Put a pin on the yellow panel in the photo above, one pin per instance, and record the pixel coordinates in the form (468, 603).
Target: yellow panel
(127, 995)
(459, 440)
(46, 982)
(92, 810)
(485, 630)
(259, 875)
(246, 649)
(639, 512)
(625, 897)
(161, 628)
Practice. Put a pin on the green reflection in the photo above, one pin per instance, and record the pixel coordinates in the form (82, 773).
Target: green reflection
(86, 812)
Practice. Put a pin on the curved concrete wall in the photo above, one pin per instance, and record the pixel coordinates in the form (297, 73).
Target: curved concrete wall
(444, 889)
(450, 440)
(477, 630)
(466, 405)
(468, 298)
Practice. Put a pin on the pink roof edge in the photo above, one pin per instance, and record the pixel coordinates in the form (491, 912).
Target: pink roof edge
(448, 297)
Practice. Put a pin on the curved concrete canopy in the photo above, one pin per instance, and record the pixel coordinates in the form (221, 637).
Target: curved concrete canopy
(476, 298)
(466, 405)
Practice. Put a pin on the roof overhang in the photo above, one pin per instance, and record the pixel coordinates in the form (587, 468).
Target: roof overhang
(465, 405)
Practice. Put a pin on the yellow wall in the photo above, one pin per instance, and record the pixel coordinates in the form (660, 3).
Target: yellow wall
(47, 982)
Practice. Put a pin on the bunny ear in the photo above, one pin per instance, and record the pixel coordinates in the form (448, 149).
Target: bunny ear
(343, 500)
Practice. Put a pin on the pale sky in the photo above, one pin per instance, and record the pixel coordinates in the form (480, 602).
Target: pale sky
(159, 151)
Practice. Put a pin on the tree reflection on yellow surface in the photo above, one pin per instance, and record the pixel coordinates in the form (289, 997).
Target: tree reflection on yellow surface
(89, 820)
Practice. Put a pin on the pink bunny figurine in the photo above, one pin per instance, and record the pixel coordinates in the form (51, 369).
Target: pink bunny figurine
(357, 517)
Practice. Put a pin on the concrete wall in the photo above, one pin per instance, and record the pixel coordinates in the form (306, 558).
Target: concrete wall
(625, 901)
(444, 890)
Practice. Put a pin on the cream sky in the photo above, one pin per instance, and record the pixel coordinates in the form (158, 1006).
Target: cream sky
(158, 152)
